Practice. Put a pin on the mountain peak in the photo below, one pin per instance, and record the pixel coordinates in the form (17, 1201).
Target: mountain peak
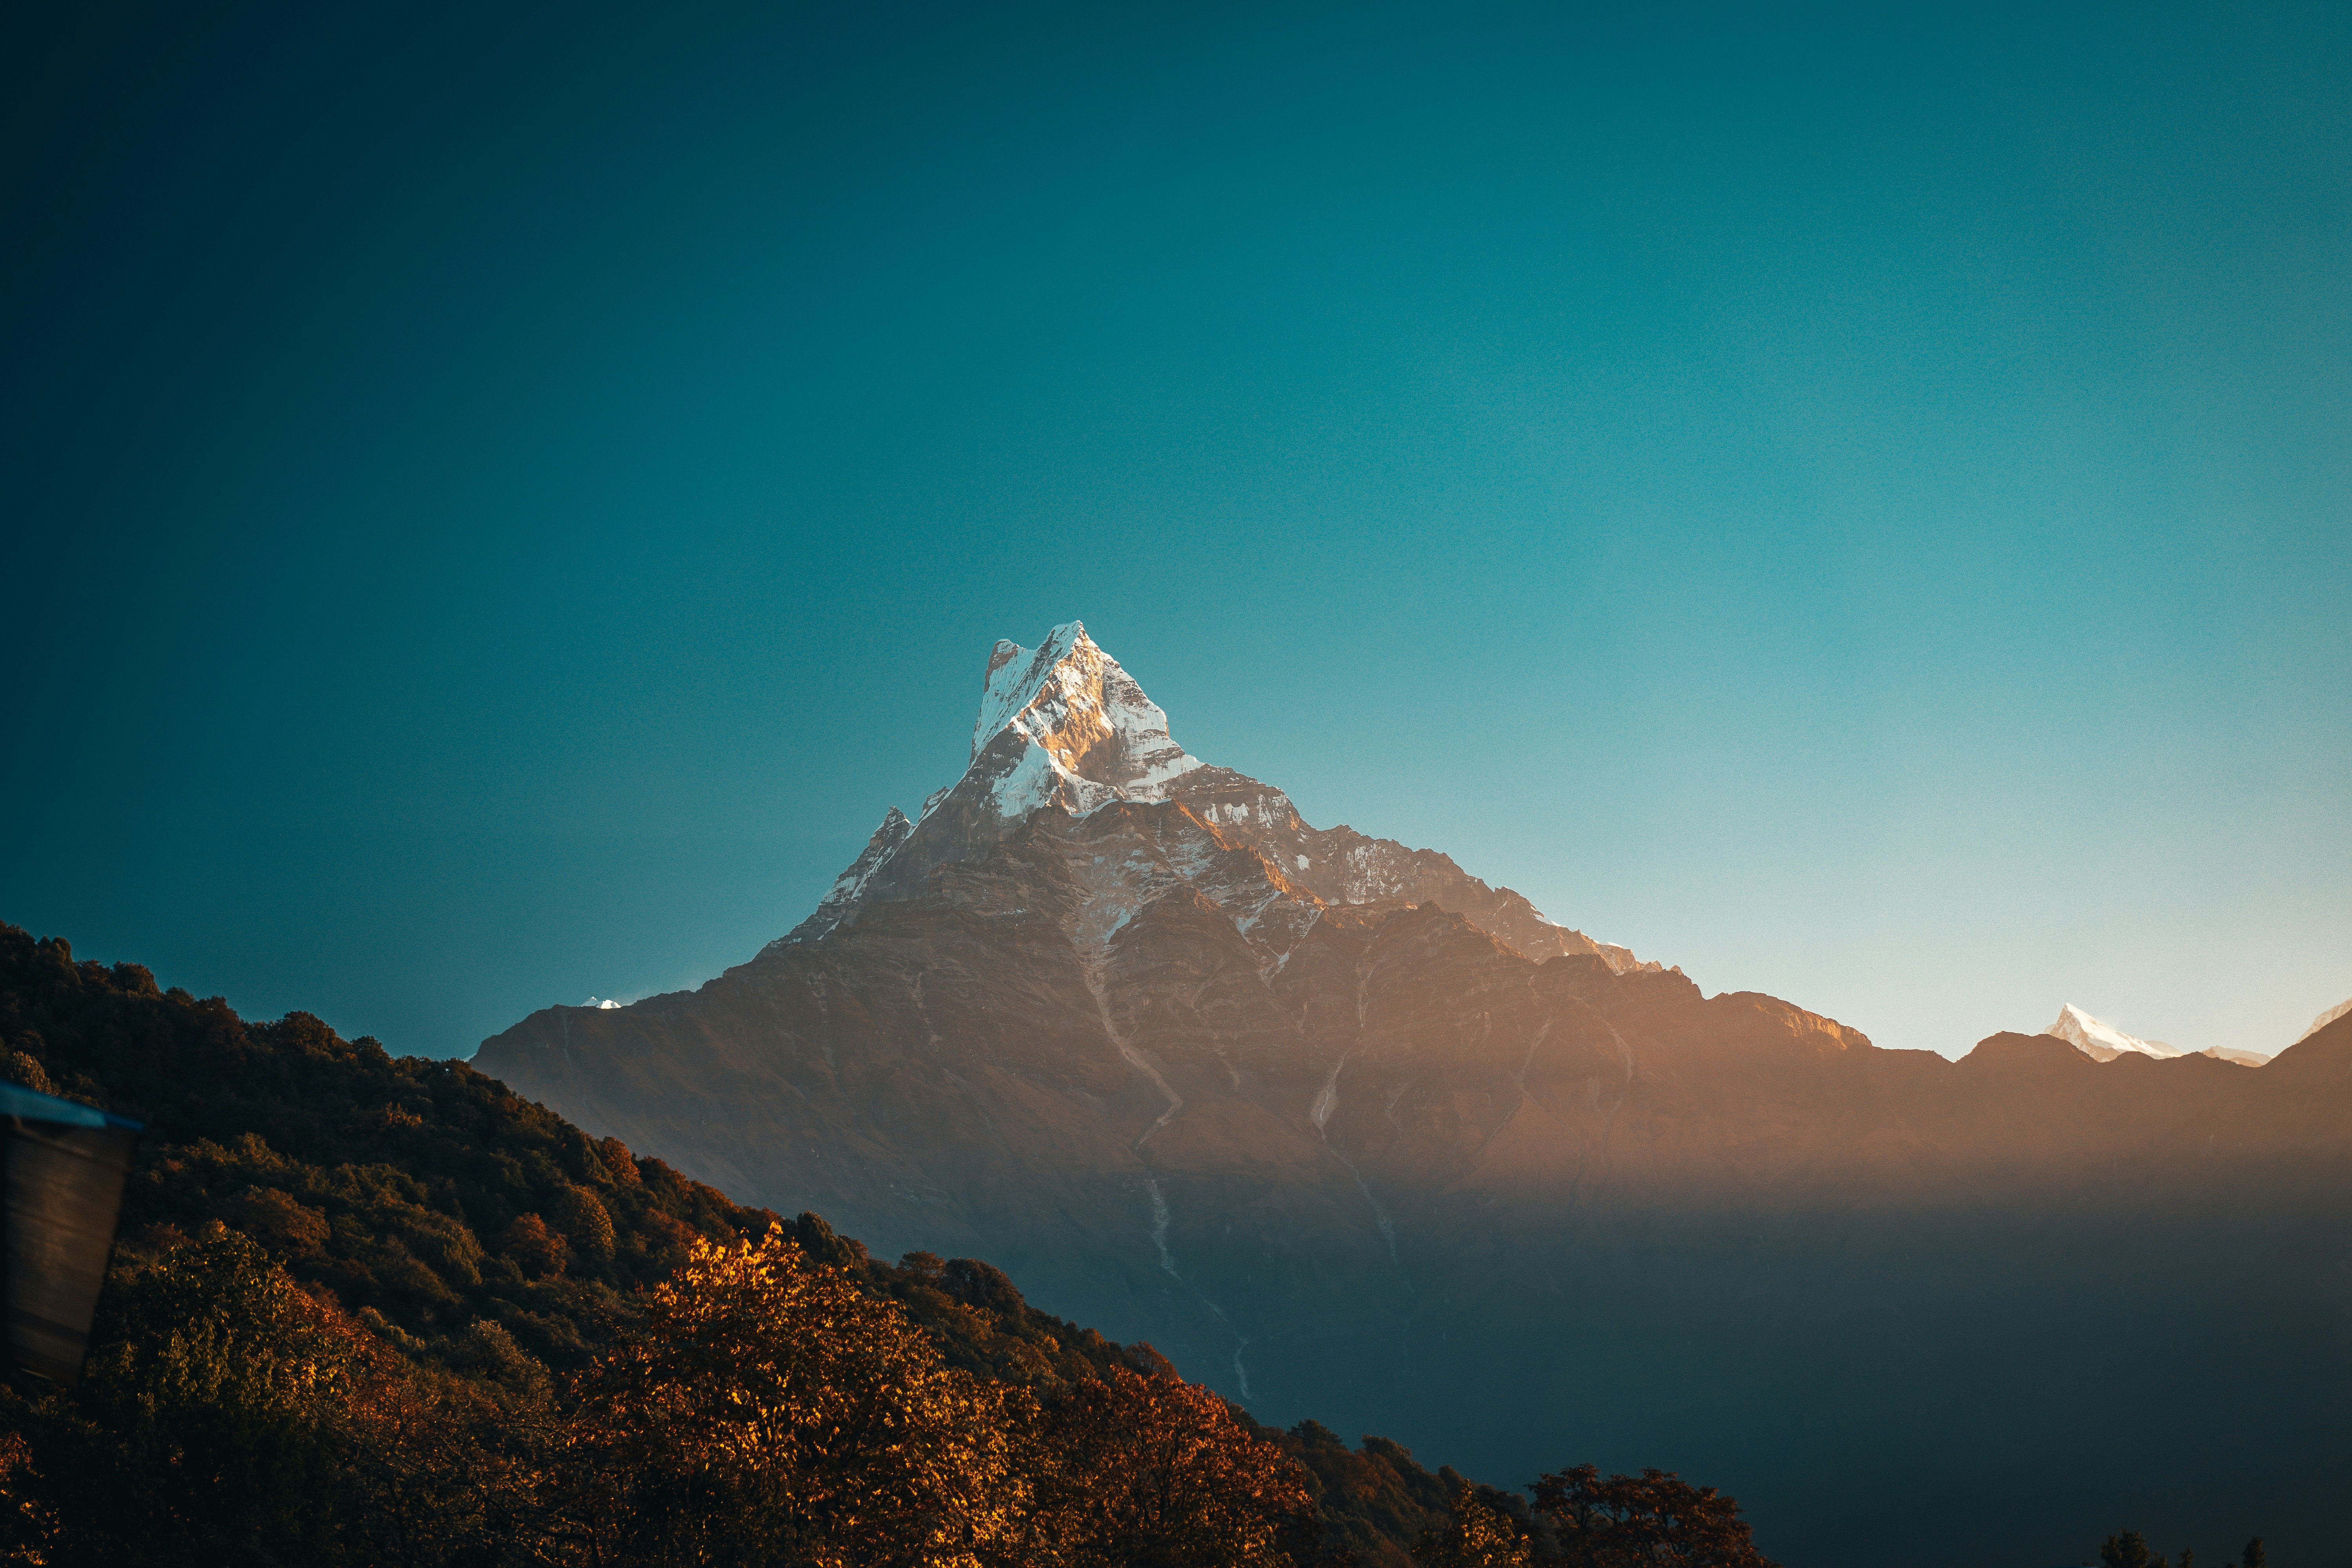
(1074, 701)
(1016, 677)
(2101, 1041)
(1064, 726)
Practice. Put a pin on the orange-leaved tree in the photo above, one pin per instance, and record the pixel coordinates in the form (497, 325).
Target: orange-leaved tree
(1152, 1472)
(770, 1411)
(1476, 1536)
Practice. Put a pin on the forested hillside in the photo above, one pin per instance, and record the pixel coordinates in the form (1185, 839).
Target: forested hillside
(376, 1309)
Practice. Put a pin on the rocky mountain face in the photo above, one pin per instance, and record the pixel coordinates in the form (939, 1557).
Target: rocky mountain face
(1350, 1135)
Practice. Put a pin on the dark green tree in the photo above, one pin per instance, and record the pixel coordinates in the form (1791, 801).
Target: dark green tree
(1647, 1520)
(207, 1424)
(2128, 1549)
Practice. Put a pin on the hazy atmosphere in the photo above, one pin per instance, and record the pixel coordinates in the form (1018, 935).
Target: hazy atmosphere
(1850, 504)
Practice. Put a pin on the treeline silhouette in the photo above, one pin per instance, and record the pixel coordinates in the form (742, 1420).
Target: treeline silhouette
(2130, 1548)
(369, 1309)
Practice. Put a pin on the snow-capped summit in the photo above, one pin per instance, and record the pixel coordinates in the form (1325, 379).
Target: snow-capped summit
(1060, 724)
(1087, 715)
(2103, 1041)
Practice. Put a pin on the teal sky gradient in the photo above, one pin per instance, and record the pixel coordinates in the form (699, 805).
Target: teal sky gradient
(1858, 505)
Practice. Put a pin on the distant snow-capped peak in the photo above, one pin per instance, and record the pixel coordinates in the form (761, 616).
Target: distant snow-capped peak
(2103, 1041)
(2324, 1019)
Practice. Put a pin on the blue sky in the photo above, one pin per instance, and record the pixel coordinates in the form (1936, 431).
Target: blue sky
(1856, 504)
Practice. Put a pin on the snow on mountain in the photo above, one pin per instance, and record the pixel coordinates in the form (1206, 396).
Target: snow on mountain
(2103, 1041)
(1063, 724)
(850, 885)
(1342, 865)
(2324, 1019)
(1094, 736)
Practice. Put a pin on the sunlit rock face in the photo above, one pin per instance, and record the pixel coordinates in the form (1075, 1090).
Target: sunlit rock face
(1350, 1135)
(1072, 702)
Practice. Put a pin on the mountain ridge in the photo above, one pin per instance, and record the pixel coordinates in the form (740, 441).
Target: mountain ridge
(2326, 1018)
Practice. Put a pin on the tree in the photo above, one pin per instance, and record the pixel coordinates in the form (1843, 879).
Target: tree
(276, 1220)
(1477, 1537)
(2128, 1549)
(230, 1416)
(584, 1222)
(2254, 1556)
(768, 1411)
(1652, 1520)
(208, 1423)
(1154, 1472)
(538, 1252)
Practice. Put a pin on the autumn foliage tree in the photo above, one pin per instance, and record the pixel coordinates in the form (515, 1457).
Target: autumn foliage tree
(229, 1415)
(208, 1419)
(1477, 1536)
(1155, 1472)
(770, 1411)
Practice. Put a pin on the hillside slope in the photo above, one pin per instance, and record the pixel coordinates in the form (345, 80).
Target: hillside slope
(393, 1188)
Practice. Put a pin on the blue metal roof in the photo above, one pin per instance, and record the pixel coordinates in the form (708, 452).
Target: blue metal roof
(18, 1101)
